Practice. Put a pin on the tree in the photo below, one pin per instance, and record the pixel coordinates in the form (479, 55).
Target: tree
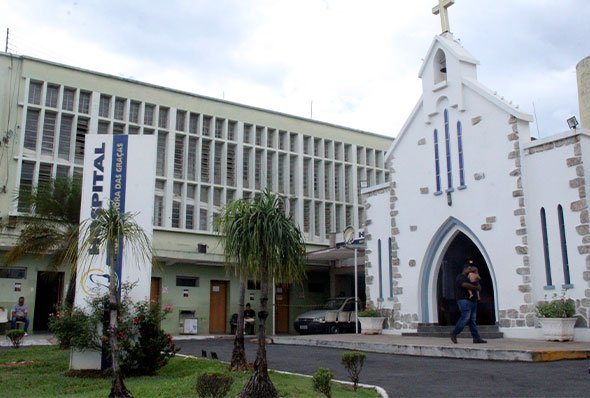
(51, 226)
(238, 357)
(109, 230)
(262, 242)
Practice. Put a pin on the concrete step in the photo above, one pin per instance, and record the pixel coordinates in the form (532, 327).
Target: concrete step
(436, 330)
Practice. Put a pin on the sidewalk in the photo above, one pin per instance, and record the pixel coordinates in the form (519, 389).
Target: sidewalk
(31, 340)
(505, 349)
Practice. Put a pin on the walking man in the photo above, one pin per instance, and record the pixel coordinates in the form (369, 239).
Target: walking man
(467, 306)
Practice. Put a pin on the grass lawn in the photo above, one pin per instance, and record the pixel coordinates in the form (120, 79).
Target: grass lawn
(41, 372)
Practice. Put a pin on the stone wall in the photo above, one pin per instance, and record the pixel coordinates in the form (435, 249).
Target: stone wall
(395, 318)
(524, 315)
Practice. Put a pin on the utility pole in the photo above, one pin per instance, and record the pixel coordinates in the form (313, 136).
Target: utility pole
(6, 46)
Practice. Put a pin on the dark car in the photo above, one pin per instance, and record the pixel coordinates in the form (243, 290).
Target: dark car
(334, 316)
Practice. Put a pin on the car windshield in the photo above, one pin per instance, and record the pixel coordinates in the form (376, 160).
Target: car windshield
(333, 304)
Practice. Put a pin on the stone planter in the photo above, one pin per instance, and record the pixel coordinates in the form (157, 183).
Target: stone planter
(558, 329)
(371, 325)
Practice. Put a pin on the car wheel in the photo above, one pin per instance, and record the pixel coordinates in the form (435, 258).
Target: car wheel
(335, 330)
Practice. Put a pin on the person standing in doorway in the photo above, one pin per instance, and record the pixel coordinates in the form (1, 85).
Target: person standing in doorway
(467, 306)
(20, 312)
(249, 319)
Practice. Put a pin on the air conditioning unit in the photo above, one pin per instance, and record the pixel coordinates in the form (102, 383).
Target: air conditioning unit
(189, 326)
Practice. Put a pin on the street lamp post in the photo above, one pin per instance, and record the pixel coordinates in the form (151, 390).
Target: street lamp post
(356, 294)
(349, 244)
(356, 247)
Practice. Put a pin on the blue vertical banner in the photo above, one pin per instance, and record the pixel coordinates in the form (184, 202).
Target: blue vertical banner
(118, 190)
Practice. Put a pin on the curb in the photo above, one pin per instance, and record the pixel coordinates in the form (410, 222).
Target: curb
(379, 390)
(558, 355)
(459, 352)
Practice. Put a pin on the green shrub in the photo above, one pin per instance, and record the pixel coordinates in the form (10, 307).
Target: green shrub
(144, 346)
(370, 313)
(353, 362)
(74, 328)
(16, 337)
(213, 385)
(559, 307)
(322, 381)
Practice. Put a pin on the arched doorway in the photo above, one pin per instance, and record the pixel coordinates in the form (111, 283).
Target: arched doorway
(460, 251)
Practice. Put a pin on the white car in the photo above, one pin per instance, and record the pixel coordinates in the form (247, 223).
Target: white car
(335, 316)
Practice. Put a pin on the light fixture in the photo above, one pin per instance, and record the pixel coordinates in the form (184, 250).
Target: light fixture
(572, 122)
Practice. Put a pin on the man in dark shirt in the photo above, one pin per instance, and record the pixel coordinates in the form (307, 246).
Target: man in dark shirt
(249, 319)
(467, 306)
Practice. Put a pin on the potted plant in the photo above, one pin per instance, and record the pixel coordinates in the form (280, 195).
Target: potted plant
(556, 318)
(371, 321)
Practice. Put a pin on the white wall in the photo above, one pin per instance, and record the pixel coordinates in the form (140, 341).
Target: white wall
(547, 185)
(380, 228)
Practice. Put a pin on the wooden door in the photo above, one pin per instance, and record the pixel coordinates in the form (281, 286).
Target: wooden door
(155, 290)
(282, 308)
(218, 307)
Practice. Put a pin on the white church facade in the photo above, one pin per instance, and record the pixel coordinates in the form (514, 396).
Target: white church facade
(469, 185)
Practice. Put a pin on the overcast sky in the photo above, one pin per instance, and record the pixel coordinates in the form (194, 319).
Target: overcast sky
(356, 61)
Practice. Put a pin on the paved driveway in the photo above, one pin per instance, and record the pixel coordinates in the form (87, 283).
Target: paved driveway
(409, 376)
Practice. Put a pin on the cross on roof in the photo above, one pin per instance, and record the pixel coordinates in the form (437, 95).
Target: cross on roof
(441, 9)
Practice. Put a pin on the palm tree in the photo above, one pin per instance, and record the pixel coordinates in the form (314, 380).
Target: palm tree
(264, 243)
(110, 230)
(238, 358)
(238, 355)
(51, 228)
